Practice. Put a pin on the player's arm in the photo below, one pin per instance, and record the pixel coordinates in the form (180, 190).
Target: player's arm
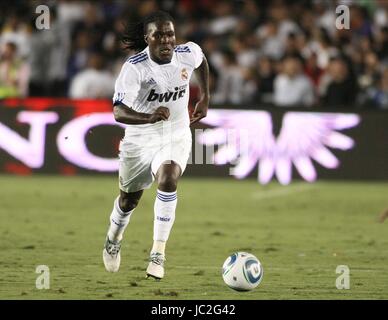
(127, 88)
(127, 115)
(202, 75)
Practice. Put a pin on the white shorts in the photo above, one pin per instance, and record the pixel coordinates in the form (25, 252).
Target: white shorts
(140, 158)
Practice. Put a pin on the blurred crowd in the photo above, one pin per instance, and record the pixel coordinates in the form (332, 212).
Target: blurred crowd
(261, 53)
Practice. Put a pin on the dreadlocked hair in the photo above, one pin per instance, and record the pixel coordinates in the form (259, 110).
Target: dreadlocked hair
(133, 38)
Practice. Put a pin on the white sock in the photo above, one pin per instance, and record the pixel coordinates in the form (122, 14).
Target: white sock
(118, 222)
(159, 246)
(164, 216)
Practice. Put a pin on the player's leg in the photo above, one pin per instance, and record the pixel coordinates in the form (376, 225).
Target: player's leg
(167, 166)
(123, 207)
(165, 203)
(134, 176)
(164, 214)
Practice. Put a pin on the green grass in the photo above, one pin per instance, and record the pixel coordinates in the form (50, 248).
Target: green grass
(301, 233)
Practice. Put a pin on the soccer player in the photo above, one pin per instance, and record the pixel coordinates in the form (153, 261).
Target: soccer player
(151, 97)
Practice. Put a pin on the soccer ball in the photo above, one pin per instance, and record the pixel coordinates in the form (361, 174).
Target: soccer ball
(242, 271)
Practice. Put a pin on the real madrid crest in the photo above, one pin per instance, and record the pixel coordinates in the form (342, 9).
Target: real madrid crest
(184, 74)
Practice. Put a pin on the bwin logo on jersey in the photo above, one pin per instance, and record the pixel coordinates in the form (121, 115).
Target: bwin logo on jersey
(167, 96)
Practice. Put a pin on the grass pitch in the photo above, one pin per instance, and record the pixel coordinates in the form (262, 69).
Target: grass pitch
(300, 233)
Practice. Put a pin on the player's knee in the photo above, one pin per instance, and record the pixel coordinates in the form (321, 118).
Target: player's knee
(127, 204)
(167, 183)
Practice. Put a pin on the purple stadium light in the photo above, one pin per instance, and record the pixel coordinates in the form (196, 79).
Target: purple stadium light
(304, 136)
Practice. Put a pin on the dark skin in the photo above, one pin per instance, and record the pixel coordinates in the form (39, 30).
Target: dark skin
(160, 37)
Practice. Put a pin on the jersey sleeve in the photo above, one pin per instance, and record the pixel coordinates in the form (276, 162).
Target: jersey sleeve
(127, 85)
(196, 53)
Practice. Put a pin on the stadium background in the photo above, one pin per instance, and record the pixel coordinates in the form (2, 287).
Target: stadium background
(258, 52)
(245, 42)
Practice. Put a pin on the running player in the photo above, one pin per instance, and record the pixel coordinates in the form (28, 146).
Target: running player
(151, 97)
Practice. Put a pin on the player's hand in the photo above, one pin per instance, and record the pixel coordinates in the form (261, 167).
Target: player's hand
(200, 110)
(161, 113)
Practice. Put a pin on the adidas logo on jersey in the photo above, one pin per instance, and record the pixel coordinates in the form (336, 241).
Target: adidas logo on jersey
(151, 81)
(167, 96)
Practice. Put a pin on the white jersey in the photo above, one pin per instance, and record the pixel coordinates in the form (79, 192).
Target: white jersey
(144, 85)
